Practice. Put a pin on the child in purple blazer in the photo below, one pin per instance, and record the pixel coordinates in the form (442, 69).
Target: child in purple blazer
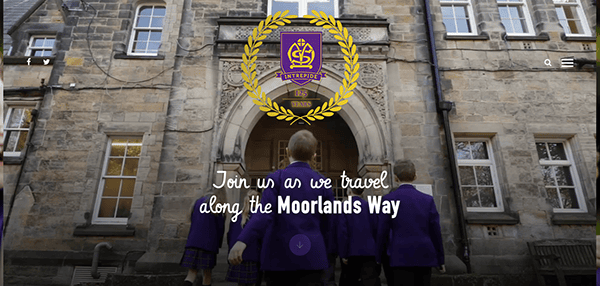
(204, 240)
(415, 243)
(294, 246)
(356, 236)
(246, 273)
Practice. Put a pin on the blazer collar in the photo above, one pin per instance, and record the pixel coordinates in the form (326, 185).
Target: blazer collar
(298, 164)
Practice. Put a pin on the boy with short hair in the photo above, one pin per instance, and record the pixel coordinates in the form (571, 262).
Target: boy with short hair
(294, 248)
(415, 243)
(357, 232)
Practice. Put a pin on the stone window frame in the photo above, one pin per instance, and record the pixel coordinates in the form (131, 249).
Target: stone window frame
(8, 107)
(95, 220)
(131, 38)
(471, 14)
(303, 6)
(494, 171)
(527, 13)
(580, 13)
(575, 175)
(31, 48)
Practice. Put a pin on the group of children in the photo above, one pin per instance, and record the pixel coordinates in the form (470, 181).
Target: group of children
(301, 249)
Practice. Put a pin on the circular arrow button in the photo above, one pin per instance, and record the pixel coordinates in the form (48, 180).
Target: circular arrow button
(300, 244)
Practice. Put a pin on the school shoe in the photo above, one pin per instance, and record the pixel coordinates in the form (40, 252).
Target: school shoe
(187, 283)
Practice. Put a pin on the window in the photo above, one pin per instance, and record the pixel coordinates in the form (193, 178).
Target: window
(477, 173)
(571, 17)
(147, 30)
(515, 17)
(303, 7)
(115, 193)
(40, 46)
(16, 131)
(458, 17)
(560, 176)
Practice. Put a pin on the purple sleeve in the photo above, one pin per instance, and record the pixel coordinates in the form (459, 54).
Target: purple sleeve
(221, 228)
(436, 234)
(328, 225)
(343, 236)
(383, 235)
(256, 227)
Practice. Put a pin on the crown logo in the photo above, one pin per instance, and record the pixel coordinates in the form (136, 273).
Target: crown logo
(301, 55)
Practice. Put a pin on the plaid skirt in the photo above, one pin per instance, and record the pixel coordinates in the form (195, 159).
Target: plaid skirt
(196, 258)
(246, 272)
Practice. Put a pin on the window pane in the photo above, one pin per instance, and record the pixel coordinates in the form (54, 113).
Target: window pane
(563, 176)
(114, 167)
(514, 12)
(518, 26)
(146, 10)
(153, 47)
(131, 166)
(140, 47)
(575, 27)
(479, 150)
(157, 22)
(124, 207)
(467, 177)
(557, 151)
(26, 120)
(450, 26)
(155, 36)
(22, 140)
(282, 6)
(484, 176)
(508, 25)
(107, 208)
(569, 199)
(11, 143)
(49, 43)
(143, 22)
(134, 151)
(504, 14)
(128, 186)
(463, 26)
(111, 187)
(142, 36)
(471, 198)
(459, 12)
(553, 197)
(447, 12)
(488, 199)
(547, 174)
(117, 147)
(542, 151)
(38, 42)
(15, 118)
(159, 11)
(561, 13)
(462, 150)
(326, 7)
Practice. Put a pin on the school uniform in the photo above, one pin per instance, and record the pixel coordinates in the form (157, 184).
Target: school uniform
(416, 240)
(356, 235)
(283, 266)
(246, 272)
(204, 240)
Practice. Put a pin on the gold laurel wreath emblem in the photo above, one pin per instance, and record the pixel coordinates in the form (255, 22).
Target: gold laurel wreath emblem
(272, 108)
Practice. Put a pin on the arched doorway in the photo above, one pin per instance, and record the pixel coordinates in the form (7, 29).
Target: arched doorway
(336, 152)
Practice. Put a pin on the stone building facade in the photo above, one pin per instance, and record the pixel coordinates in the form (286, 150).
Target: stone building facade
(170, 111)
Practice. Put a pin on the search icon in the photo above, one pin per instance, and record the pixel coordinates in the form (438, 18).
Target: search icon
(547, 62)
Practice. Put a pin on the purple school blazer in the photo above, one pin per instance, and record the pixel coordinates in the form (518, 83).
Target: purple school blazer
(278, 229)
(357, 232)
(206, 230)
(252, 251)
(416, 239)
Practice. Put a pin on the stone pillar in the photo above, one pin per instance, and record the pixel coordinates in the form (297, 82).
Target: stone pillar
(374, 171)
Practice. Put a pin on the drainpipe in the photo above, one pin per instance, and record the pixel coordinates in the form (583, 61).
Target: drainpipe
(95, 273)
(443, 108)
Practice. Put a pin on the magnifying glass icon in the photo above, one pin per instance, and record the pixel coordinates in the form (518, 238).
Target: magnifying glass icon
(547, 62)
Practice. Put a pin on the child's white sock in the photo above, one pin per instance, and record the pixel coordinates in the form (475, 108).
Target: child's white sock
(191, 276)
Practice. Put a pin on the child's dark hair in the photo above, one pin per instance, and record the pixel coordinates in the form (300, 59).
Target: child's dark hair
(302, 145)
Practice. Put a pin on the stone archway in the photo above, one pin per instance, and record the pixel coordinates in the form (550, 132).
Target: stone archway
(362, 115)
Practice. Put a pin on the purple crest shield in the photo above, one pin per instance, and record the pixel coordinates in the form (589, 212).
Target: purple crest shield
(301, 57)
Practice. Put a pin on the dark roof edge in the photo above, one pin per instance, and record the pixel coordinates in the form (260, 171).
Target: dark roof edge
(25, 16)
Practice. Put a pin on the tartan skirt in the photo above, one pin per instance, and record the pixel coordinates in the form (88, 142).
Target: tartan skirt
(196, 258)
(246, 272)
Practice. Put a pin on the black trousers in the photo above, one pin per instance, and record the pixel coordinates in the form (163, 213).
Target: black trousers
(411, 276)
(387, 270)
(294, 278)
(360, 271)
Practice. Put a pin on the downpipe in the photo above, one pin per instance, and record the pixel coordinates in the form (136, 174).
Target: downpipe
(96, 258)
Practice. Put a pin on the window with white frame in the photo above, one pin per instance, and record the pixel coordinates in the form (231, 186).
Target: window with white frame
(115, 194)
(304, 7)
(147, 30)
(16, 129)
(478, 176)
(515, 17)
(40, 46)
(572, 18)
(458, 17)
(560, 176)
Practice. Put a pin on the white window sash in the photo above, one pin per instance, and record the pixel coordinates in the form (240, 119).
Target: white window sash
(7, 129)
(471, 16)
(303, 6)
(582, 18)
(31, 48)
(574, 175)
(483, 162)
(527, 15)
(134, 29)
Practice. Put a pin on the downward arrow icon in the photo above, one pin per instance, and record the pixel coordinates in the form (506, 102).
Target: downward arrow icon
(300, 244)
